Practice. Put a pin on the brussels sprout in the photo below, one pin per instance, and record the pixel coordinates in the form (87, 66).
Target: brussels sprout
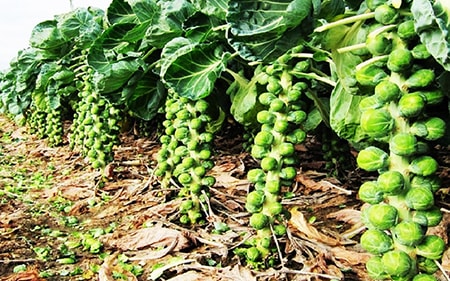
(259, 151)
(263, 138)
(373, 4)
(405, 30)
(376, 241)
(266, 98)
(385, 14)
(253, 254)
(259, 221)
(372, 158)
(376, 122)
(433, 97)
(370, 193)
(375, 268)
(286, 149)
(419, 198)
(273, 85)
(408, 233)
(273, 186)
(370, 75)
(431, 182)
(281, 126)
(255, 198)
(403, 144)
(296, 116)
(288, 173)
(436, 128)
(390, 182)
(399, 60)
(420, 52)
(386, 91)
(432, 215)
(297, 136)
(201, 106)
(420, 79)
(277, 105)
(424, 277)
(274, 208)
(269, 163)
(378, 44)
(397, 263)
(265, 117)
(382, 216)
(370, 102)
(256, 175)
(427, 266)
(411, 105)
(279, 230)
(424, 166)
(432, 247)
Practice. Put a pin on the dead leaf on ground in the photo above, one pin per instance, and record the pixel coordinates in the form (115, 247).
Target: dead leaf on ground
(300, 226)
(29, 275)
(155, 237)
(109, 266)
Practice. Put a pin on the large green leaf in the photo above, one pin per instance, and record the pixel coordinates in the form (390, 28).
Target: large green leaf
(432, 22)
(249, 18)
(82, 26)
(116, 76)
(263, 30)
(46, 35)
(144, 95)
(217, 8)
(119, 11)
(190, 68)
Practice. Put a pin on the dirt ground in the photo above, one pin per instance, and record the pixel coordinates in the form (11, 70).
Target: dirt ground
(62, 220)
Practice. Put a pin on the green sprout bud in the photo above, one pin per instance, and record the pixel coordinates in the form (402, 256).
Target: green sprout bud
(277, 105)
(376, 122)
(201, 106)
(433, 97)
(370, 102)
(375, 268)
(419, 198)
(420, 52)
(399, 60)
(391, 182)
(296, 137)
(382, 216)
(432, 215)
(408, 233)
(436, 128)
(253, 254)
(288, 173)
(279, 230)
(256, 198)
(397, 263)
(386, 91)
(256, 175)
(420, 79)
(424, 277)
(281, 126)
(265, 117)
(405, 30)
(432, 247)
(264, 138)
(424, 166)
(273, 85)
(411, 105)
(269, 163)
(259, 151)
(296, 116)
(184, 178)
(259, 221)
(273, 186)
(184, 114)
(266, 98)
(370, 193)
(431, 182)
(385, 14)
(286, 149)
(378, 45)
(403, 144)
(274, 208)
(372, 159)
(376, 241)
(427, 266)
(186, 206)
(370, 75)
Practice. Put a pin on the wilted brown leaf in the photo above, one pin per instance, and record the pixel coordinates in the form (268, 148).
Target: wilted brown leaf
(155, 237)
(109, 266)
(300, 226)
(29, 275)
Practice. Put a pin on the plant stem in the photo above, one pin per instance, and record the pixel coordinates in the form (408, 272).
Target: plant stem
(348, 20)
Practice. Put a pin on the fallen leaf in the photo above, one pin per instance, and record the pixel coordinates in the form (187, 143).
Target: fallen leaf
(29, 275)
(106, 270)
(191, 276)
(237, 273)
(156, 237)
(299, 225)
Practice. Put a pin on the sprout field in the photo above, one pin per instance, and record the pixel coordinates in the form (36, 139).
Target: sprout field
(61, 220)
